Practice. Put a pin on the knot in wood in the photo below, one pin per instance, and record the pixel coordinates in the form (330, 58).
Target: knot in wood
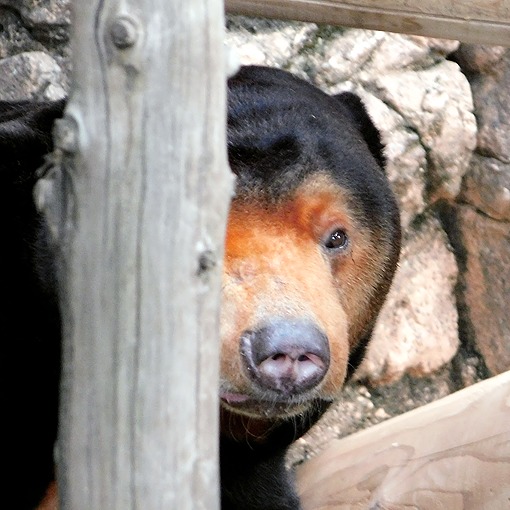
(124, 32)
(65, 132)
(206, 262)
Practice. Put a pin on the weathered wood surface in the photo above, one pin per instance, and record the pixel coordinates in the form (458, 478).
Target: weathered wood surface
(482, 21)
(452, 454)
(144, 207)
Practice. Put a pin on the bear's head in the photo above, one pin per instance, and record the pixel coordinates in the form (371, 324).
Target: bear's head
(312, 243)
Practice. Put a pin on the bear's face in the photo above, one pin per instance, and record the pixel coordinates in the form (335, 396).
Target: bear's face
(312, 242)
(298, 280)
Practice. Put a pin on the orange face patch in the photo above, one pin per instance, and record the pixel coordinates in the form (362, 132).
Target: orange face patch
(304, 260)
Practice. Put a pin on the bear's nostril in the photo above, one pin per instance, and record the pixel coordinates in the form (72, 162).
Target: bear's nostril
(289, 356)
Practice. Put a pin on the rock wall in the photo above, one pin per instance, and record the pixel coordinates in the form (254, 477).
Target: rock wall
(444, 111)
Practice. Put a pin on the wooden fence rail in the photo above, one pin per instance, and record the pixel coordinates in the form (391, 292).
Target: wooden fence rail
(476, 21)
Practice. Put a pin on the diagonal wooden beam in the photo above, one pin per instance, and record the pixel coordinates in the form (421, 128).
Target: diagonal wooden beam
(453, 453)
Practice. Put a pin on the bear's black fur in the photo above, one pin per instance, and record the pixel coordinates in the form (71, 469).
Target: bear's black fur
(282, 132)
(30, 319)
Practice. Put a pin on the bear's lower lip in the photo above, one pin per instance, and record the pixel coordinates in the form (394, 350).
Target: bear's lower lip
(234, 398)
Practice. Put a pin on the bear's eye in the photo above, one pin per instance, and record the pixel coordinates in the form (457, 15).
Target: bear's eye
(336, 240)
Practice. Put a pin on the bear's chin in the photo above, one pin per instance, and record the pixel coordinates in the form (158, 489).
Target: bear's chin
(266, 408)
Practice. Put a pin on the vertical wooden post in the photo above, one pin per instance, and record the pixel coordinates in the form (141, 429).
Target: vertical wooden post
(145, 204)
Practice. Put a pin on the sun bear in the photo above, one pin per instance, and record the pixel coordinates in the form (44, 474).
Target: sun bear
(312, 243)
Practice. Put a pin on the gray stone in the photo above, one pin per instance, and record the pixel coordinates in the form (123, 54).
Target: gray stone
(491, 94)
(487, 187)
(477, 58)
(33, 75)
(417, 329)
(267, 42)
(37, 25)
(367, 53)
(485, 283)
(15, 37)
(436, 104)
(42, 12)
(406, 158)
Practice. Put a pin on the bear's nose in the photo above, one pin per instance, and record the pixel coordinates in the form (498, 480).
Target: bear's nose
(288, 356)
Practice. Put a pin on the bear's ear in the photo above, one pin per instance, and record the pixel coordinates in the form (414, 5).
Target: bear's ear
(363, 122)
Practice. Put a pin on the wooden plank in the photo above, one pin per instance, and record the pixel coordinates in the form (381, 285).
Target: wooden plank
(451, 454)
(141, 218)
(482, 22)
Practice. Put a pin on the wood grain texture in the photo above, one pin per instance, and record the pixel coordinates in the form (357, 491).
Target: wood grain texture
(452, 454)
(485, 22)
(144, 198)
